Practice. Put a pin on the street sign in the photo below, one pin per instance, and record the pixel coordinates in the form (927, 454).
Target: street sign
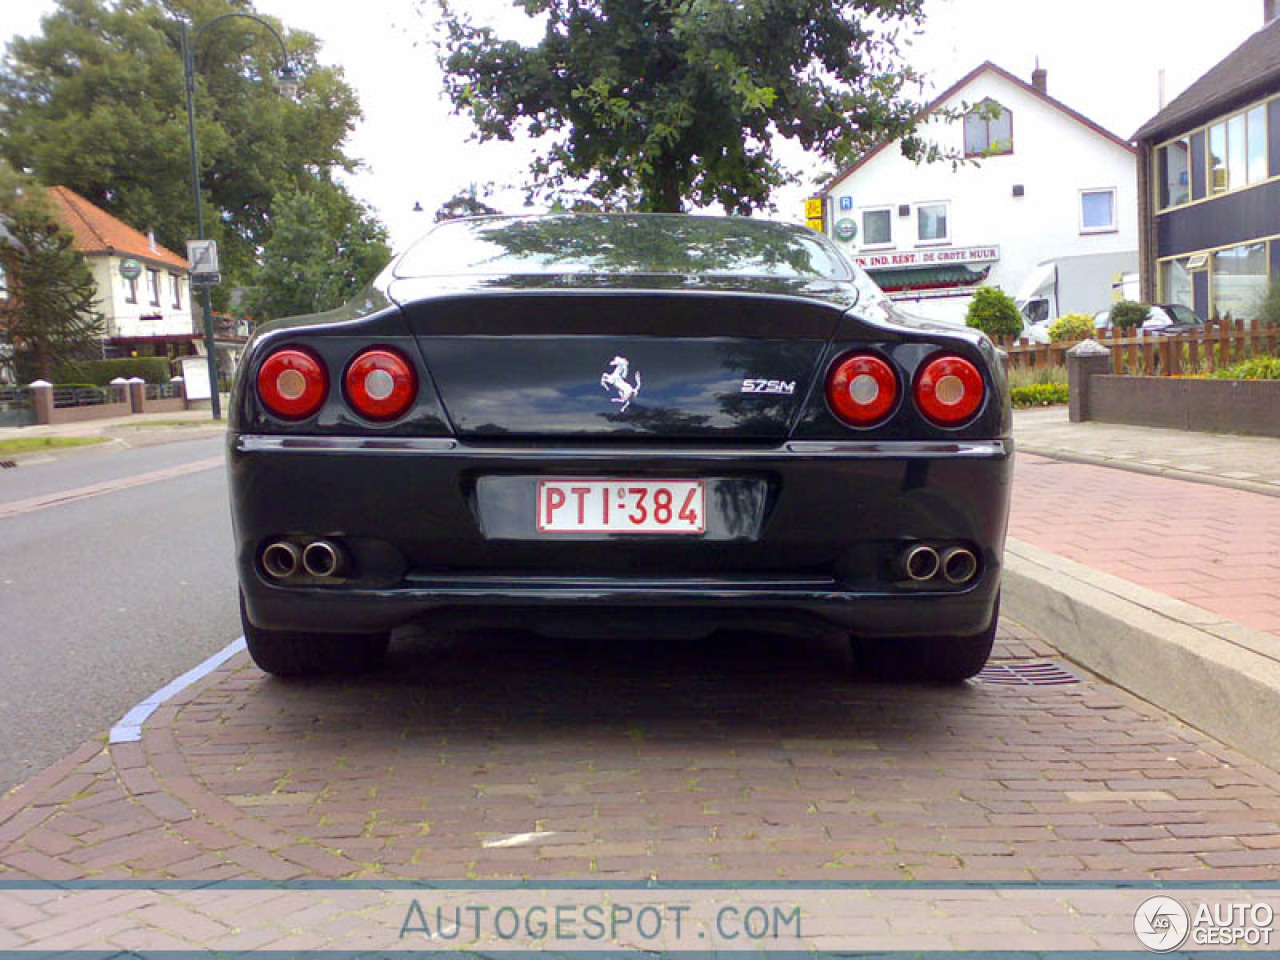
(813, 208)
(203, 257)
(846, 203)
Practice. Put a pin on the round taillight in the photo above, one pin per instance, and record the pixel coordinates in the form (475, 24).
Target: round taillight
(949, 390)
(381, 384)
(292, 383)
(862, 389)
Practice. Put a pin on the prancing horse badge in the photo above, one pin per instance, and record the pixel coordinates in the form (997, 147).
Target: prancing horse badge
(616, 379)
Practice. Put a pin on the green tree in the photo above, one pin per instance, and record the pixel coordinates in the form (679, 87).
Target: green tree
(324, 246)
(994, 312)
(464, 203)
(96, 102)
(51, 317)
(652, 104)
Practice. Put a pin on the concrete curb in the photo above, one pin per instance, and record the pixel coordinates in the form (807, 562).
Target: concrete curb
(1210, 672)
(1151, 469)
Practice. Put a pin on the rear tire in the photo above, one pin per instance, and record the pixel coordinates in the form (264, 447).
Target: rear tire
(286, 653)
(927, 659)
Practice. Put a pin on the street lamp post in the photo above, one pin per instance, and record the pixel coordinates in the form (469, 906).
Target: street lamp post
(288, 85)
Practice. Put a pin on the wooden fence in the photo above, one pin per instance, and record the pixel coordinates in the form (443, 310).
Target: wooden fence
(1202, 351)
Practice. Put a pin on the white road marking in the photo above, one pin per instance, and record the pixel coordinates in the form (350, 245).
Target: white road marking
(129, 729)
(519, 839)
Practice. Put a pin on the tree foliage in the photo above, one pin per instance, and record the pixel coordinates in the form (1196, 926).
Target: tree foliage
(323, 248)
(652, 104)
(994, 312)
(51, 317)
(96, 102)
(464, 203)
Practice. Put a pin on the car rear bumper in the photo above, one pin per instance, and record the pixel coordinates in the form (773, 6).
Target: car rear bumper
(816, 536)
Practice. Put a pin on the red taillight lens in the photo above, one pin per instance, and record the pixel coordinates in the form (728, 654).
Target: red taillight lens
(949, 390)
(292, 383)
(862, 389)
(381, 384)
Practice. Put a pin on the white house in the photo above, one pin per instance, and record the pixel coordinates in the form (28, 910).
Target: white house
(143, 289)
(1040, 183)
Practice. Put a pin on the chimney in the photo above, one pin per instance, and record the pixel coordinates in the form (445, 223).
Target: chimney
(151, 240)
(1040, 76)
(1270, 11)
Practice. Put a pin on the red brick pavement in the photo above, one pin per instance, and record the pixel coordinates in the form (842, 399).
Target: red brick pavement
(1211, 546)
(742, 757)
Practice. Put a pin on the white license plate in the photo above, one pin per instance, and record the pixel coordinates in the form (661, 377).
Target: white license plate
(622, 506)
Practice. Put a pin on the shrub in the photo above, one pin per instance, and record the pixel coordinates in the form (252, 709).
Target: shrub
(1255, 368)
(102, 372)
(1039, 395)
(1269, 307)
(1071, 326)
(1128, 314)
(994, 313)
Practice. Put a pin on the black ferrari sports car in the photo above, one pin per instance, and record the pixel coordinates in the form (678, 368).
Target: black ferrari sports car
(617, 424)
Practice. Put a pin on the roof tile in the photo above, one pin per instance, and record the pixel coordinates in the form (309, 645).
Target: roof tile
(96, 231)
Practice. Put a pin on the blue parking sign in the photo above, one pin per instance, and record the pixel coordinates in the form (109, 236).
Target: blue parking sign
(846, 203)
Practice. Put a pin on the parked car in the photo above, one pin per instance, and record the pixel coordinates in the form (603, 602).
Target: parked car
(1166, 319)
(620, 424)
(1170, 319)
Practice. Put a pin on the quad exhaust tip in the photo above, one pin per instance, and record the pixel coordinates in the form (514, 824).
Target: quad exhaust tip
(959, 565)
(322, 558)
(281, 559)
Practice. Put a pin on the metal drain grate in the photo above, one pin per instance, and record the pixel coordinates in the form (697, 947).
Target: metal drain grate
(1020, 674)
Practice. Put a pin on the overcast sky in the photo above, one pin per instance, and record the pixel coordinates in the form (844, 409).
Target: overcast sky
(1103, 59)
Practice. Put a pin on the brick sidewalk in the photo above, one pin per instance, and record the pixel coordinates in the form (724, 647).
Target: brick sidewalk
(1210, 546)
(742, 758)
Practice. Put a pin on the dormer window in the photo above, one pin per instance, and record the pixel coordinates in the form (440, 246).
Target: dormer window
(988, 130)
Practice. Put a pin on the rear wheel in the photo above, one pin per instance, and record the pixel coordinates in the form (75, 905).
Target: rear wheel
(927, 659)
(286, 653)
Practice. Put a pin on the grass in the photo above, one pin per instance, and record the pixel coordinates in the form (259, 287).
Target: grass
(1037, 376)
(28, 444)
(206, 422)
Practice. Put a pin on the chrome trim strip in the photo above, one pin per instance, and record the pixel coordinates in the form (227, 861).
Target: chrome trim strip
(257, 443)
(867, 449)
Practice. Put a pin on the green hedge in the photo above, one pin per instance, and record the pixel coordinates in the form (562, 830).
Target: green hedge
(102, 372)
(1039, 395)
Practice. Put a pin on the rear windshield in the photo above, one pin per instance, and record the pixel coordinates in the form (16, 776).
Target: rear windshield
(623, 244)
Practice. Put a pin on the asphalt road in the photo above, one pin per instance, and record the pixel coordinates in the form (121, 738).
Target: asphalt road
(105, 599)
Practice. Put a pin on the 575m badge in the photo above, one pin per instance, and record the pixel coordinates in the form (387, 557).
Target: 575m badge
(783, 387)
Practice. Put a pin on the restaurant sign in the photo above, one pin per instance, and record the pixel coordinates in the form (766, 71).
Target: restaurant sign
(927, 258)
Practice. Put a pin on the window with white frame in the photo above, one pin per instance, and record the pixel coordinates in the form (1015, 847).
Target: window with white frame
(176, 281)
(931, 223)
(153, 283)
(1098, 210)
(877, 227)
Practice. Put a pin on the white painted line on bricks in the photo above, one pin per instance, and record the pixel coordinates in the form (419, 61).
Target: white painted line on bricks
(519, 839)
(129, 729)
